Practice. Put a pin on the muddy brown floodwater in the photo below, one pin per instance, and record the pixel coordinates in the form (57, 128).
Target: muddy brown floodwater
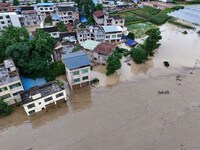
(130, 114)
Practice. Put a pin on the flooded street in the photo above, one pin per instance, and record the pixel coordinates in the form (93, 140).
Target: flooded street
(125, 111)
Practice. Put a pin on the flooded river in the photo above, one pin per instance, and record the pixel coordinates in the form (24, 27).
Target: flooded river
(125, 111)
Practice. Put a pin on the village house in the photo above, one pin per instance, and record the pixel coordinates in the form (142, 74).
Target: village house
(9, 18)
(45, 8)
(104, 19)
(42, 97)
(10, 83)
(53, 31)
(77, 66)
(113, 34)
(84, 34)
(102, 51)
(67, 14)
(29, 16)
(5, 7)
(68, 37)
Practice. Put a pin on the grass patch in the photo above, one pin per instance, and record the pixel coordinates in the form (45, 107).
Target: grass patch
(139, 29)
(193, 2)
(160, 18)
(173, 21)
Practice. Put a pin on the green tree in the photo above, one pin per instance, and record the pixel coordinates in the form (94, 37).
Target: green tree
(3, 1)
(113, 63)
(131, 36)
(61, 1)
(11, 35)
(15, 2)
(138, 54)
(5, 110)
(45, 1)
(151, 43)
(61, 26)
(99, 7)
(54, 1)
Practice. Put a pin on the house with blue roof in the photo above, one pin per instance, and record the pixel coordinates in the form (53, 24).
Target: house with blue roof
(45, 8)
(77, 67)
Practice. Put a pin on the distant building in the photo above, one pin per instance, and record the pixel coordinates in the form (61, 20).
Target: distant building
(42, 97)
(104, 19)
(113, 34)
(9, 18)
(84, 34)
(10, 83)
(67, 14)
(102, 51)
(29, 17)
(77, 66)
(53, 31)
(45, 8)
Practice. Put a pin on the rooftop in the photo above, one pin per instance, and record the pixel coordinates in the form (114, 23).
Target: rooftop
(90, 44)
(76, 60)
(45, 4)
(4, 4)
(38, 92)
(66, 8)
(104, 48)
(24, 8)
(8, 72)
(98, 13)
(49, 29)
(110, 29)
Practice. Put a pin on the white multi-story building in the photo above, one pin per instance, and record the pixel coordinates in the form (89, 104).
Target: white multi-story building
(77, 66)
(67, 14)
(41, 97)
(45, 8)
(113, 34)
(10, 83)
(9, 18)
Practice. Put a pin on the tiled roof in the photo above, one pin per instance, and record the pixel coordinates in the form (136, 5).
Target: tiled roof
(98, 13)
(76, 60)
(104, 48)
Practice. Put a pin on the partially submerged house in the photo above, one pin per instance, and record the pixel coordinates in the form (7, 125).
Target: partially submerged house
(10, 83)
(77, 66)
(102, 51)
(42, 97)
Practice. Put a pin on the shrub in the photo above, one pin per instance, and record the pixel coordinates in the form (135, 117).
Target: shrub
(113, 63)
(166, 63)
(61, 26)
(95, 80)
(5, 110)
(184, 32)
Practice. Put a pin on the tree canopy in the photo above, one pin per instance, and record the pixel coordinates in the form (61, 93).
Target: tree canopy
(61, 26)
(15, 2)
(138, 54)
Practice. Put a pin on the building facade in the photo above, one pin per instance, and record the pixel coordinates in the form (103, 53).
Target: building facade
(39, 98)
(9, 18)
(53, 31)
(45, 8)
(10, 83)
(29, 17)
(77, 66)
(67, 14)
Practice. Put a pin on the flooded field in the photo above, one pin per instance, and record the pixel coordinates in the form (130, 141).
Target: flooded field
(125, 111)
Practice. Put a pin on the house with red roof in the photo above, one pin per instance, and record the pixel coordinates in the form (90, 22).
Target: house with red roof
(102, 51)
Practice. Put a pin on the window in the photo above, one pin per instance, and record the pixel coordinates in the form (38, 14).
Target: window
(85, 78)
(46, 8)
(9, 21)
(2, 22)
(31, 106)
(54, 34)
(39, 103)
(5, 96)
(48, 99)
(108, 36)
(84, 71)
(69, 13)
(14, 94)
(119, 35)
(1, 17)
(15, 85)
(76, 80)
(7, 16)
(113, 36)
(116, 22)
(41, 8)
(3, 89)
(51, 8)
(121, 21)
(59, 95)
(64, 13)
(75, 73)
(31, 112)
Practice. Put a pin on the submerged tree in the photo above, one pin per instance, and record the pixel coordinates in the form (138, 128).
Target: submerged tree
(5, 110)
(138, 54)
